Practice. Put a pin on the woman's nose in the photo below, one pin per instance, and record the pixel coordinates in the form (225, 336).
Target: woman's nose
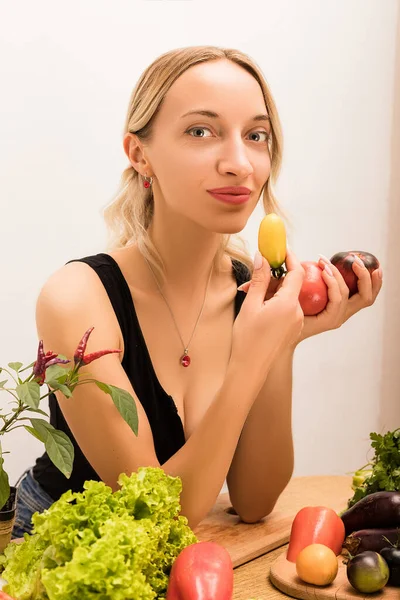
(235, 160)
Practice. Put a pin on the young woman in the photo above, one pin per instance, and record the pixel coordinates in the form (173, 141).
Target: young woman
(210, 366)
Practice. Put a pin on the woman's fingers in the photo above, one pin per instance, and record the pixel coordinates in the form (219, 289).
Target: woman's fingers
(294, 278)
(244, 287)
(369, 286)
(259, 281)
(337, 288)
(364, 282)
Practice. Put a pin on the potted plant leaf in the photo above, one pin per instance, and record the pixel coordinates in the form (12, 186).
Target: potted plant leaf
(23, 411)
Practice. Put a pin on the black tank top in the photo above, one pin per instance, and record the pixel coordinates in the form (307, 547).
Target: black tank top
(160, 408)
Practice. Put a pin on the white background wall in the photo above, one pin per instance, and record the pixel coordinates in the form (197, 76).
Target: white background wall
(67, 71)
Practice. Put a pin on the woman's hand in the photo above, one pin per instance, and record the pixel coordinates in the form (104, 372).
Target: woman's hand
(270, 319)
(340, 307)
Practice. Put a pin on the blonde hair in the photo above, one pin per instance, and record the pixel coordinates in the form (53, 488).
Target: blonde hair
(130, 213)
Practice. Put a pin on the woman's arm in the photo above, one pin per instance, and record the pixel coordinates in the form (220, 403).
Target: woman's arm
(73, 300)
(263, 462)
(204, 460)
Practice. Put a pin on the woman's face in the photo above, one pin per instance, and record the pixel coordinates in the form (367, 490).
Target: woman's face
(192, 154)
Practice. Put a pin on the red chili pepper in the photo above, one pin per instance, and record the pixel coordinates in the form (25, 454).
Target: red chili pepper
(315, 525)
(90, 357)
(200, 571)
(43, 361)
(38, 366)
(79, 352)
(57, 361)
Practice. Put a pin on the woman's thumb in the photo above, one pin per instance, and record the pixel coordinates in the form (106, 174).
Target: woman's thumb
(259, 280)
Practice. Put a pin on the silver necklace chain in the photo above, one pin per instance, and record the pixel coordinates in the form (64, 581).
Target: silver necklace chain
(185, 346)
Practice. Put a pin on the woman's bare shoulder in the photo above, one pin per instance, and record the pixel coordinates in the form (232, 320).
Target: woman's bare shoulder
(74, 296)
(73, 284)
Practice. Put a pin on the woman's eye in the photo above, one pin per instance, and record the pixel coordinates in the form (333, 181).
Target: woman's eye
(200, 129)
(268, 135)
(197, 129)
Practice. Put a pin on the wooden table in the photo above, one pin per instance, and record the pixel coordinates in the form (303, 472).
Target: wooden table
(251, 580)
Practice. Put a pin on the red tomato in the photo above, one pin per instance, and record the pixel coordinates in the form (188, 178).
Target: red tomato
(313, 295)
(202, 570)
(344, 261)
(315, 525)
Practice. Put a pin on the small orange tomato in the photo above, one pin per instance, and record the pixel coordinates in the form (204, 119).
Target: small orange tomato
(317, 564)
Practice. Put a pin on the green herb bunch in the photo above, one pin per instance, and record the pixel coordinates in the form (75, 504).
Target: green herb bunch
(26, 394)
(382, 473)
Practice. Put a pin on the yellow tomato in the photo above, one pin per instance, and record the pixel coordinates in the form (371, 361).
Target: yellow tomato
(317, 564)
(272, 242)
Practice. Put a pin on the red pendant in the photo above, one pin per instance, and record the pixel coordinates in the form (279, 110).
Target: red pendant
(185, 360)
(146, 184)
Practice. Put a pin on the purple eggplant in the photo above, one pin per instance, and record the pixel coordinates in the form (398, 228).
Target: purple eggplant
(375, 511)
(370, 539)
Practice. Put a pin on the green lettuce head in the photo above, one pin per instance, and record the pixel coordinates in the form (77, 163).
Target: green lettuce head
(99, 544)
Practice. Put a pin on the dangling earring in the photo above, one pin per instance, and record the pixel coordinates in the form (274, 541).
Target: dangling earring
(146, 183)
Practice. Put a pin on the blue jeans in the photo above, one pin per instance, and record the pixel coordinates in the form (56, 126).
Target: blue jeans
(31, 498)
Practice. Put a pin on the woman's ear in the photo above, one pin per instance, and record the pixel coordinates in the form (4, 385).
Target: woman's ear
(133, 148)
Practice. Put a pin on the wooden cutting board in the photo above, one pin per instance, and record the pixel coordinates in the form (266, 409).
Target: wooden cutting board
(283, 576)
(245, 542)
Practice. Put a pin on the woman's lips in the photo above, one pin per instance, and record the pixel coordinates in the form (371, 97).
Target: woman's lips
(231, 198)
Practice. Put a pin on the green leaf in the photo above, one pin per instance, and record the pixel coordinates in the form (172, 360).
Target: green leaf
(37, 410)
(4, 485)
(15, 366)
(2, 383)
(29, 393)
(56, 372)
(61, 451)
(124, 403)
(65, 390)
(58, 446)
(34, 433)
(55, 385)
(41, 427)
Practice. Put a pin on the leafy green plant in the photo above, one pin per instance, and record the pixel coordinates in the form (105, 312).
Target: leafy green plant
(382, 473)
(24, 409)
(102, 544)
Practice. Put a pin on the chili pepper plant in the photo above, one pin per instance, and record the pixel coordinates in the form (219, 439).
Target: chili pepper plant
(26, 395)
